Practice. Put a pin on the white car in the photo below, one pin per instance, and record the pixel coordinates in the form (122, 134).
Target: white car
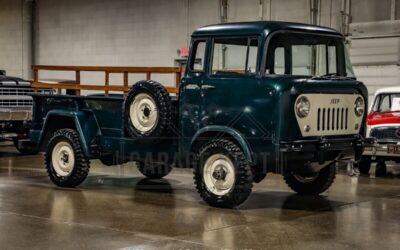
(383, 125)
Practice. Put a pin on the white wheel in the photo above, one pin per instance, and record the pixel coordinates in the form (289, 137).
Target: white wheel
(63, 159)
(143, 113)
(219, 174)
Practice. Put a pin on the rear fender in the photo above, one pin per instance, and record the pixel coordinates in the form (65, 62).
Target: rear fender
(84, 122)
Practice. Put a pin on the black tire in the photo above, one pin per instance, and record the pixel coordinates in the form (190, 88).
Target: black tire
(28, 150)
(111, 160)
(259, 174)
(163, 102)
(364, 165)
(243, 181)
(81, 165)
(153, 170)
(381, 169)
(315, 185)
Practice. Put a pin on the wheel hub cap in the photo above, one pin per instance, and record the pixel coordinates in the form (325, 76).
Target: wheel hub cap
(143, 113)
(63, 158)
(219, 174)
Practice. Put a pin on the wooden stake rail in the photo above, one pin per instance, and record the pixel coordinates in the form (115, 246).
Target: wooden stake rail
(78, 86)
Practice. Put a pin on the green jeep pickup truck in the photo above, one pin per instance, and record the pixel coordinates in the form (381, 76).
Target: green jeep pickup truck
(256, 97)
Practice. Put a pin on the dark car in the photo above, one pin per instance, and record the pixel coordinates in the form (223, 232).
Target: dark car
(15, 110)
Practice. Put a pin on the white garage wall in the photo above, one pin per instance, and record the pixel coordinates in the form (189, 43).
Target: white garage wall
(375, 53)
(149, 32)
(12, 39)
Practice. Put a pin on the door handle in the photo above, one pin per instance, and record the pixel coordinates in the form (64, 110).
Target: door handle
(205, 87)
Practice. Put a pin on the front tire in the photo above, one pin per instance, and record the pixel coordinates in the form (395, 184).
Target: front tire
(66, 164)
(154, 170)
(364, 165)
(312, 184)
(222, 175)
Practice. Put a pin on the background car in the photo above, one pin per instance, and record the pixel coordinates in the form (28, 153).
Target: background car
(384, 126)
(15, 110)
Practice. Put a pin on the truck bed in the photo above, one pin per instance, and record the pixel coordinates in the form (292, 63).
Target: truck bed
(94, 111)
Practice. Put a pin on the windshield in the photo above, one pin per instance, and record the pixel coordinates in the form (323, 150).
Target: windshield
(308, 55)
(387, 103)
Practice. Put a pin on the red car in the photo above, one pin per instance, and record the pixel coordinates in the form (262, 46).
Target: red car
(384, 126)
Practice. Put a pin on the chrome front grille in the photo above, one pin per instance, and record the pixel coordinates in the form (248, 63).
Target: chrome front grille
(386, 133)
(18, 97)
(332, 119)
(329, 115)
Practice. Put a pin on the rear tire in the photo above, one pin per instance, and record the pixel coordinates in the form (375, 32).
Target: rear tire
(111, 160)
(66, 164)
(313, 184)
(154, 170)
(29, 150)
(222, 175)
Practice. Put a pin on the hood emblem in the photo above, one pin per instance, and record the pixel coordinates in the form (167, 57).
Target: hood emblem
(335, 101)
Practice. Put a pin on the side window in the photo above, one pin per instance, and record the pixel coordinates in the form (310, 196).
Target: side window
(234, 56)
(279, 60)
(385, 103)
(395, 102)
(199, 52)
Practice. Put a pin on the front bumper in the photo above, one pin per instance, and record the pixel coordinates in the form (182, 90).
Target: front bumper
(322, 150)
(380, 149)
(8, 115)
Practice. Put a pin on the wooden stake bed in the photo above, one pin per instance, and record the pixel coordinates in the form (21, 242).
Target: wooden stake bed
(78, 86)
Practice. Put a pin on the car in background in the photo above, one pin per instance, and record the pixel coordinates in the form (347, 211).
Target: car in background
(383, 125)
(15, 111)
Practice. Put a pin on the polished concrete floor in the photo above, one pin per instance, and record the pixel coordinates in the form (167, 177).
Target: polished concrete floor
(116, 208)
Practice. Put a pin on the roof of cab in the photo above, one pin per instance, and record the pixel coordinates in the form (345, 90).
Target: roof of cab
(258, 28)
(389, 90)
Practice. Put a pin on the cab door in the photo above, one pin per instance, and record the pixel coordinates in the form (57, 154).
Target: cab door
(230, 90)
(190, 98)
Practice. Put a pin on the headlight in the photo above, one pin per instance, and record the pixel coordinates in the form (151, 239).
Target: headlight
(359, 106)
(302, 107)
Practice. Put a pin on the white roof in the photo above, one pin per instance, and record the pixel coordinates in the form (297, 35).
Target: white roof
(388, 90)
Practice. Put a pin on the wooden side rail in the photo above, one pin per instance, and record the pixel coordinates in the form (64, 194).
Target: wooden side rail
(77, 85)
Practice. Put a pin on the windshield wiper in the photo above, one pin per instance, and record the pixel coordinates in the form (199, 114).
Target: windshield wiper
(326, 76)
(332, 76)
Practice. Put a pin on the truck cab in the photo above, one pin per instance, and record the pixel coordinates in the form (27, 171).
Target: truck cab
(287, 89)
(256, 97)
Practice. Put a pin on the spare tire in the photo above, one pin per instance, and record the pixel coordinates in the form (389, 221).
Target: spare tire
(148, 111)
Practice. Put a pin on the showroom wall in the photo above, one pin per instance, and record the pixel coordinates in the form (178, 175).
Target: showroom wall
(15, 38)
(150, 32)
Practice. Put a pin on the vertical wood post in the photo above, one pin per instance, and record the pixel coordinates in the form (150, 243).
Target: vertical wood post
(148, 76)
(35, 78)
(126, 80)
(107, 82)
(78, 82)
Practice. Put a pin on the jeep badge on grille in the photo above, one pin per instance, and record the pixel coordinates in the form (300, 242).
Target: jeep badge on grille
(335, 101)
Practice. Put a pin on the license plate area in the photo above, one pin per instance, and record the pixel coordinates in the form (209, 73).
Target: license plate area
(393, 149)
